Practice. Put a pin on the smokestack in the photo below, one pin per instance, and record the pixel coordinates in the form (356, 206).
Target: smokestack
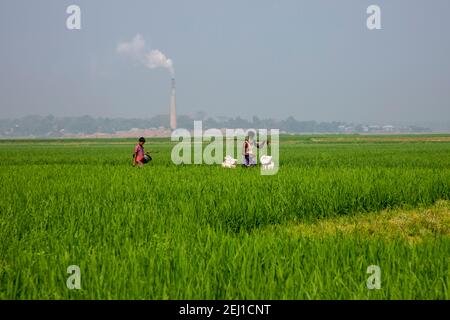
(173, 108)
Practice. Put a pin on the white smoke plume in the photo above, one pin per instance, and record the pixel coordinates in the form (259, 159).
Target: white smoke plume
(152, 59)
(135, 48)
(156, 58)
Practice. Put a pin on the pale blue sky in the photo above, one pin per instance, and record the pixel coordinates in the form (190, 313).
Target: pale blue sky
(314, 60)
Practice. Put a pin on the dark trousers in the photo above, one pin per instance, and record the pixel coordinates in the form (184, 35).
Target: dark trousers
(247, 160)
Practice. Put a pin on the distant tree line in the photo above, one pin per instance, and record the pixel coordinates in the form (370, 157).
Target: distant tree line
(47, 126)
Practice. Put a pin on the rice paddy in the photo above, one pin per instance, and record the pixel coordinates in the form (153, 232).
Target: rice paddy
(337, 205)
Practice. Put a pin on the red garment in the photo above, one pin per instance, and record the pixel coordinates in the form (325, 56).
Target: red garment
(139, 151)
(246, 147)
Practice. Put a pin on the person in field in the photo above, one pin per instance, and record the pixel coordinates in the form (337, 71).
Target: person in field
(249, 145)
(139, 154)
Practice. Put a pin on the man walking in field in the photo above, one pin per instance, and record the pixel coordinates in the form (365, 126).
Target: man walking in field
(247, 151)
(138, 156)
(249, 155)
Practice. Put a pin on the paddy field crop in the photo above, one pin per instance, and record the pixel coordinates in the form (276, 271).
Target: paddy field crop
(337, 205)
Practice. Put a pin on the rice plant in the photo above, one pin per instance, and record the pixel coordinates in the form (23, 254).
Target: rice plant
(205, 232)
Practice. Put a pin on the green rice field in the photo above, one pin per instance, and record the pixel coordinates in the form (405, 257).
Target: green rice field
(337, 205)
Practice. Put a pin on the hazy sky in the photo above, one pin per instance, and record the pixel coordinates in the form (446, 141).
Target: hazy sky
(314, 59)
